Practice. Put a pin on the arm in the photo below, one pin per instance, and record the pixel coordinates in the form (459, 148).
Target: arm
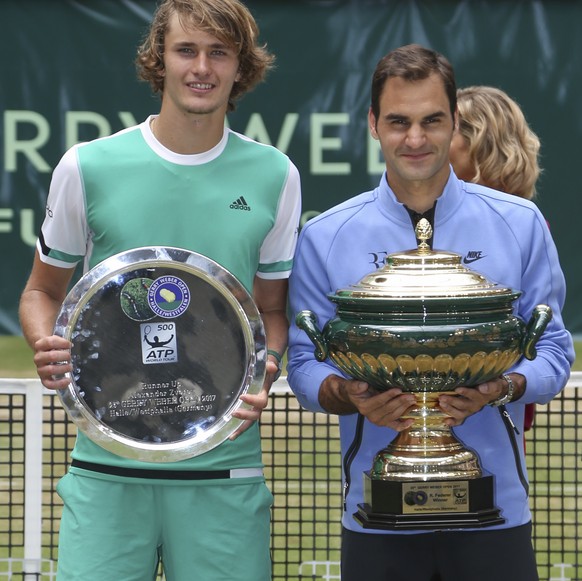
(540, 379)
(270, 294)
(543, 282)
(39, 306)
(319, 385)
(271, 299)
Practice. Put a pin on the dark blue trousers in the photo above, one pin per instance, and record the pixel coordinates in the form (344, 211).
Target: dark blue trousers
(484, 555)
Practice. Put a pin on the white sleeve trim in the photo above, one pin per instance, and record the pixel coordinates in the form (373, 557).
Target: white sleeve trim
(65, 228)
(280, 274)
(279, 244)
(52, 261)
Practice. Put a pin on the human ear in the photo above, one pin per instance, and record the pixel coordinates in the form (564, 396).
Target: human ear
(372, 124)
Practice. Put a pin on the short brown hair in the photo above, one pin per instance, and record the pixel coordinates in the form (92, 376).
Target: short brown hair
(228, 20)
(413, 62)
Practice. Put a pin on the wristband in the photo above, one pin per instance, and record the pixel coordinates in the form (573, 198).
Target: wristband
(276, 355)
(279, 359)
(504, 399)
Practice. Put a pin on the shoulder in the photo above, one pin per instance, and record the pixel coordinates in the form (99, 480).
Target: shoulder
(260, 151)
(495, 197)
(504, 204)
(342, 214)
(110, 143)
(521, 219)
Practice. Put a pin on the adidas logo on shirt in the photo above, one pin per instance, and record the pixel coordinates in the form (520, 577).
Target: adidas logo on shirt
(240, 204)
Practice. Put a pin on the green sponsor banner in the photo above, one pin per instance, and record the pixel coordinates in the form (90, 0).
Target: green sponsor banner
(68, 76)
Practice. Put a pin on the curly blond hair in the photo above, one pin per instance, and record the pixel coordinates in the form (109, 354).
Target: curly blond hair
(228, 20)
(503, 148)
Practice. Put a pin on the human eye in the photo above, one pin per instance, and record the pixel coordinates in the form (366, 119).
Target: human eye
(219, 49)
(399, 123)
(433, 120)
(185, 50)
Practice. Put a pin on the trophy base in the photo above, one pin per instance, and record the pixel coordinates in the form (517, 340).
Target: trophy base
(436, 504)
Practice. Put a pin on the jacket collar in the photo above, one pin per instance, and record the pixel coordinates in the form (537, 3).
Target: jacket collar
(448, 202)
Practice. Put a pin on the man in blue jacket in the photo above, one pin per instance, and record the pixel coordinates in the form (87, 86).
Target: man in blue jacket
(413, 115)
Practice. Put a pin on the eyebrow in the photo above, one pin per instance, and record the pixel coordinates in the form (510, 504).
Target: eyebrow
(397, 117)
(214, 45)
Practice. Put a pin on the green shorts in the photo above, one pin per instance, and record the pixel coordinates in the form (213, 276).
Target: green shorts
(208, 530)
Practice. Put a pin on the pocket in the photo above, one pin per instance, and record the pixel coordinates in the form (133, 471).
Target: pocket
(248, 500)
(63, 486)
(269, 499)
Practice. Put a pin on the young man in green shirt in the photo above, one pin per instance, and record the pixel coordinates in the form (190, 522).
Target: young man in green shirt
(178, 179)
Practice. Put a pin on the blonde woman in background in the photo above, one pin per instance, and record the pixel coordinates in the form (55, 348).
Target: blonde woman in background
(493, 145)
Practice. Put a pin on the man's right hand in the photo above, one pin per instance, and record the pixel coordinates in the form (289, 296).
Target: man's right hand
(382, 408)
(52, 357)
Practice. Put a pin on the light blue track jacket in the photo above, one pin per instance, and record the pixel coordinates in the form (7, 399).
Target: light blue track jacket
(505, 238)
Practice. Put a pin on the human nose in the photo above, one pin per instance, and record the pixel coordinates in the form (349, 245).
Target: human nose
(416, 136)
(202, 63)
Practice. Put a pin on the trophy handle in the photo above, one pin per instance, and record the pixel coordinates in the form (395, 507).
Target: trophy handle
(540, 318)
(307, 321)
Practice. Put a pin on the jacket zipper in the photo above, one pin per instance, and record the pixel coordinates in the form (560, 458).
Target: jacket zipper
(512, 431)
(349, 457)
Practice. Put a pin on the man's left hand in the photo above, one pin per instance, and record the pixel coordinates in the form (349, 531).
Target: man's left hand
(469, 400)
(256, 402)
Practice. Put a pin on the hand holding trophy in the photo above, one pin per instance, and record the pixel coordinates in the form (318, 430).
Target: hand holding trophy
(426, 324)
(150, 330)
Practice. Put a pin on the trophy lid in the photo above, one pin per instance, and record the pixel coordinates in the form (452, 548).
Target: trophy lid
(424, 274)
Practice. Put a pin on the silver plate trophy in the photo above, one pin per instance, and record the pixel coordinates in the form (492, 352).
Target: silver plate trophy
(164, 343)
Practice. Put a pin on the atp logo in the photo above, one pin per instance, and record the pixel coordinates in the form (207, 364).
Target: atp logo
(159, 343)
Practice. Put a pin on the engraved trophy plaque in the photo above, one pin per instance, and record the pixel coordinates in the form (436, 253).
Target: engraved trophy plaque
(164, 343)
(427, 324)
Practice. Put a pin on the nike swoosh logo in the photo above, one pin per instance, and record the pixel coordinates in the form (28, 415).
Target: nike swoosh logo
(470, 260)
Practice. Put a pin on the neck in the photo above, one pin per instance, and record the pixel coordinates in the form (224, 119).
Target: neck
(419, 195)
(418, 202)
(190, 134)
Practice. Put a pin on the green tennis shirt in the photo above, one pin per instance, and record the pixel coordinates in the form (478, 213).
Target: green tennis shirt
(238, 204)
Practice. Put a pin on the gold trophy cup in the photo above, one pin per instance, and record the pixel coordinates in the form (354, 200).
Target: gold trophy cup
(427, 324)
